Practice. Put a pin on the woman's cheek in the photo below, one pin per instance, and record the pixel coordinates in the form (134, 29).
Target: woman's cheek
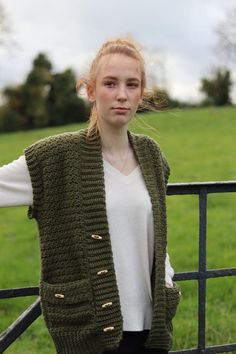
(105, 96)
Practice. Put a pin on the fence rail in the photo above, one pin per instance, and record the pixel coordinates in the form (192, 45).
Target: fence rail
(202, 189)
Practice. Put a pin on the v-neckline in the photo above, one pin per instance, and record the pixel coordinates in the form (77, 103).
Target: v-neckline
(111, 167)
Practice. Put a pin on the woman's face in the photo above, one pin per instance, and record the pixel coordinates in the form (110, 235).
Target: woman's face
(117, 91)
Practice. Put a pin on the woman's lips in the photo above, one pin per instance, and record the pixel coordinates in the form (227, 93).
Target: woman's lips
(120, 109)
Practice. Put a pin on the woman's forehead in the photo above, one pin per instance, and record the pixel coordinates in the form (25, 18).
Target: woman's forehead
(119, 64)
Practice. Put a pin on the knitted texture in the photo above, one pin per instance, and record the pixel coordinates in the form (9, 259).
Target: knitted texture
(78, 287)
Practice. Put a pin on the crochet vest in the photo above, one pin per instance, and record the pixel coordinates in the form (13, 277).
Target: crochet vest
(78, 288)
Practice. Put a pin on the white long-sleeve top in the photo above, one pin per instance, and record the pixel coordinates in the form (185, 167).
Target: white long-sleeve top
(15, 184)
(130, 220)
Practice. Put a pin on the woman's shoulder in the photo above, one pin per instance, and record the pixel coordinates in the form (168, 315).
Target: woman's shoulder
(54, 143)
(154, 149)
(146, 139)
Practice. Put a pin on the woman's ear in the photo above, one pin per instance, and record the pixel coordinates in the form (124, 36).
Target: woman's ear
(90, 93)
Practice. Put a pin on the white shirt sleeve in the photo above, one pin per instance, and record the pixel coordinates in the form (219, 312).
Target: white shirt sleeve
(169, 271)
(15, 184)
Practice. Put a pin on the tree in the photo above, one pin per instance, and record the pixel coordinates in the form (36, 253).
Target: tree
(28, 100)
(13, 115)
(8, 120)
(43, 99)
(217, 88)
(63, 103)
(36, 90)
(226, 32)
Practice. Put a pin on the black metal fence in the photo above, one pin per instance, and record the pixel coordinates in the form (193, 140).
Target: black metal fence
(202, 190)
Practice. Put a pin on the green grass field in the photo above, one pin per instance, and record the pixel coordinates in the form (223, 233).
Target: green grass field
(200, 146)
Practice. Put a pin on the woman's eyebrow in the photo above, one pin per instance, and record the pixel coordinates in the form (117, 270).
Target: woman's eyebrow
(115, 78)
(110, 78)
(134, 79)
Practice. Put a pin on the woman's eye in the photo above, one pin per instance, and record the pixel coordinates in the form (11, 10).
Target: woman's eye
(109, 84)
(133, 85)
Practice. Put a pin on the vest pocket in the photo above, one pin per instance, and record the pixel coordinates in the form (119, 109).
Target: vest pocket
(172, 301)
(67, 305)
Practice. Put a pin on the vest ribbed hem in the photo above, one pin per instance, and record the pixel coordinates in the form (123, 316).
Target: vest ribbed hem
(158, 335)
(77, 343)
(99, 253)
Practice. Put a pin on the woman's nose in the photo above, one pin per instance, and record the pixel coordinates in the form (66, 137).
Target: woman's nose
(122, 94)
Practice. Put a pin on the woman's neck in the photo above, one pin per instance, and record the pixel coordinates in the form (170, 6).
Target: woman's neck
(114, 141)
(116, 149)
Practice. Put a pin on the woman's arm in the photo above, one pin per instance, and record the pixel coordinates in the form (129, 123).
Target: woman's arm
(15, 184)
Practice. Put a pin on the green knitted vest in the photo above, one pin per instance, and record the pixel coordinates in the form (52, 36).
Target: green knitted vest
(78, 288)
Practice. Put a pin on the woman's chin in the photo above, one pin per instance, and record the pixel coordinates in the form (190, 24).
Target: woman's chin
(116, 121)
(121, 120)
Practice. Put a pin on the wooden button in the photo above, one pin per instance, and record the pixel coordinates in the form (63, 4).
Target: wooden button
(59, 296)
(96, 237)
(101, 272)
(108, 329)
(107, 304)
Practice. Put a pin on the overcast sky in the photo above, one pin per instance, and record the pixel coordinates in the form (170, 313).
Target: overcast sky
(176, 35)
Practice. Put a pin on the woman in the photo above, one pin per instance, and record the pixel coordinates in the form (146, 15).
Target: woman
(98, 196)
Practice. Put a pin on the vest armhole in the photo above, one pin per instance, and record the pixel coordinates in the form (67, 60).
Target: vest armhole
(31, 212)
(36, 180)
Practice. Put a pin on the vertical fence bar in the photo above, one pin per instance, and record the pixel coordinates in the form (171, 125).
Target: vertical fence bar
(202, 269)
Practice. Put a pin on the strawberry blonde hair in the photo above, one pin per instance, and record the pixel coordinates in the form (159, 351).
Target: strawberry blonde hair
(117, 46)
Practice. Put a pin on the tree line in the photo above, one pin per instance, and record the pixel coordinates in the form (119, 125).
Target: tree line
(43, 99)
(47, 99)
